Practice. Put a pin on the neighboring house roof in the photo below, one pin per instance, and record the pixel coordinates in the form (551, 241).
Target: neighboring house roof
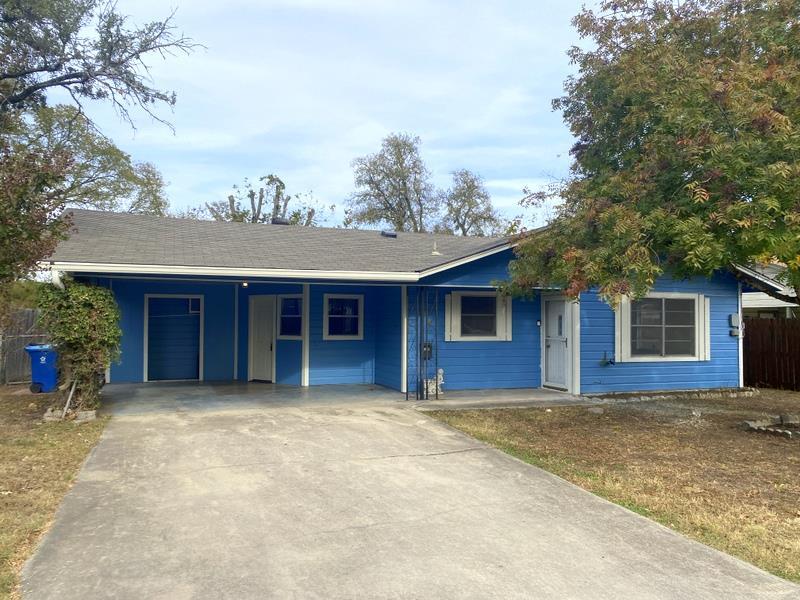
(762, 300)
(105, 242)
(769, 275)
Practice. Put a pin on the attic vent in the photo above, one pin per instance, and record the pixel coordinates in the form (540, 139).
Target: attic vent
(279, 221)
(389, 234)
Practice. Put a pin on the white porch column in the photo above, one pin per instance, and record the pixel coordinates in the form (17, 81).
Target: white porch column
(304, 373)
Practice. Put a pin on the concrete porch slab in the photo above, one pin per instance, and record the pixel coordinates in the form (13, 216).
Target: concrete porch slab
(519, 398)
(171, 397)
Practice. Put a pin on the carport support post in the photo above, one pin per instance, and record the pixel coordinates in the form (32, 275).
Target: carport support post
(304, 372)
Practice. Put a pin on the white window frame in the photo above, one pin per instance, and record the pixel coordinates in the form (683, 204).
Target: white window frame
(702, 329)
(279, 299)
(325, 305)
(452, 317)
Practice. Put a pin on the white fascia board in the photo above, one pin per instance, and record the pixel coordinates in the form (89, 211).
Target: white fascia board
(394, 276)
(776, 285)
(110, 268)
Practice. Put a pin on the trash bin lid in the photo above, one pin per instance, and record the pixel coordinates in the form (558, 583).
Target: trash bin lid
(39, 347)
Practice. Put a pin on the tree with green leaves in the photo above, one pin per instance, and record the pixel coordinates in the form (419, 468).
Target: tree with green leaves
(86, 48)
(687, 159)
(89, 50)
(260, 202)
(393, 186)
(29, 208)
(468, 207)
(101, 175)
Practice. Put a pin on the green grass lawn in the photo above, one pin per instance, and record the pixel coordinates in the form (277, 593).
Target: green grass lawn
(686, 464)
(38, 462)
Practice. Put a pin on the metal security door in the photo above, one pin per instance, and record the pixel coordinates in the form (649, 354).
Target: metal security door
(555, 343)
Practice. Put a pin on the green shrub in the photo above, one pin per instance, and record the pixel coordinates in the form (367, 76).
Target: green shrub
(83, 323)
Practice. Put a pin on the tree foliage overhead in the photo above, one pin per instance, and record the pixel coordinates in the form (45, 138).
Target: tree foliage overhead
(101, 175)
(84, 47)
(687, 160)
(29, 210)
(393, 187)
(52, 156)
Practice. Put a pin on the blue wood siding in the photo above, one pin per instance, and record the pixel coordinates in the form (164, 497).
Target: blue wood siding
(289, 362)
(218, 325)
(388, 341)
(481, 272)
(484, 365)
(173, 340)
(342, 361)
(597, 337)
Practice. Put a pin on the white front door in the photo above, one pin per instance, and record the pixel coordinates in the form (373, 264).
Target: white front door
(555, 342)
(262, 338)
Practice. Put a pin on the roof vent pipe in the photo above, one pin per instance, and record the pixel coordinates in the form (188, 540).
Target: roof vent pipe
(279, 221)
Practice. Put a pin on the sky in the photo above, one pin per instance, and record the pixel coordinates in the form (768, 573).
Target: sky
(300, 88)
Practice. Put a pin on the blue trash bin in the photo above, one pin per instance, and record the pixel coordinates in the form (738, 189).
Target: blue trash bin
(44, 371)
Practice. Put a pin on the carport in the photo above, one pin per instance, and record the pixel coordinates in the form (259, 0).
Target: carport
(139, 398)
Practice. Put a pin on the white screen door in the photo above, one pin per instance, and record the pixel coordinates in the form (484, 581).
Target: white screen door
(555, 343)
(262, 327)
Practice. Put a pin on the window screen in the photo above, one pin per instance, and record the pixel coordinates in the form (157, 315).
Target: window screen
(343, 316)
(478, 316)
(663, 327)
(291, 317)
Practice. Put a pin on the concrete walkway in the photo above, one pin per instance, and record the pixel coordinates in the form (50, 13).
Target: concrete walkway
(347, 499)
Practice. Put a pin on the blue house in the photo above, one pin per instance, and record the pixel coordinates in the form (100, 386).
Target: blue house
(211, 301)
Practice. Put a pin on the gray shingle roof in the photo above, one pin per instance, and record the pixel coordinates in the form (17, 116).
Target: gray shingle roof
(121, 238)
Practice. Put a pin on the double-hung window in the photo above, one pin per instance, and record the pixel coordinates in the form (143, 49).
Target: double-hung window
(290, 317)
(343, 317)
(663, 327)
(477, 317)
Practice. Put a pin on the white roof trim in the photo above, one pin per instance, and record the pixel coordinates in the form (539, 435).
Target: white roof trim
(76, 267)
(395, 276)
(762, 278)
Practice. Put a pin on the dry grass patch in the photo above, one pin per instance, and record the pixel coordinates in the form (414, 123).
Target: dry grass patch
(685, 464)
(38, 462)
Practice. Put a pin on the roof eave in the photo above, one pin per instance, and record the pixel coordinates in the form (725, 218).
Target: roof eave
(763, 279)
(466, 259)
(304, 274)
(393, 276)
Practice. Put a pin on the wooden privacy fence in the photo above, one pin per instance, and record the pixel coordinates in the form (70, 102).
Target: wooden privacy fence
(15, 365)
(772, 353)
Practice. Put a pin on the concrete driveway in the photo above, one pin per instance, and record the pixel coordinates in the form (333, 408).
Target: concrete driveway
(348, 499)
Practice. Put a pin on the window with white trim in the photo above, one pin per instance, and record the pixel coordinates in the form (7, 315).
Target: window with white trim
(664, 327)
(343, 317)
(477, 317)
(290, 317)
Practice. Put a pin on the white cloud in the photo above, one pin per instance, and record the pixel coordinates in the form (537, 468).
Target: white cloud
(301, 87)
